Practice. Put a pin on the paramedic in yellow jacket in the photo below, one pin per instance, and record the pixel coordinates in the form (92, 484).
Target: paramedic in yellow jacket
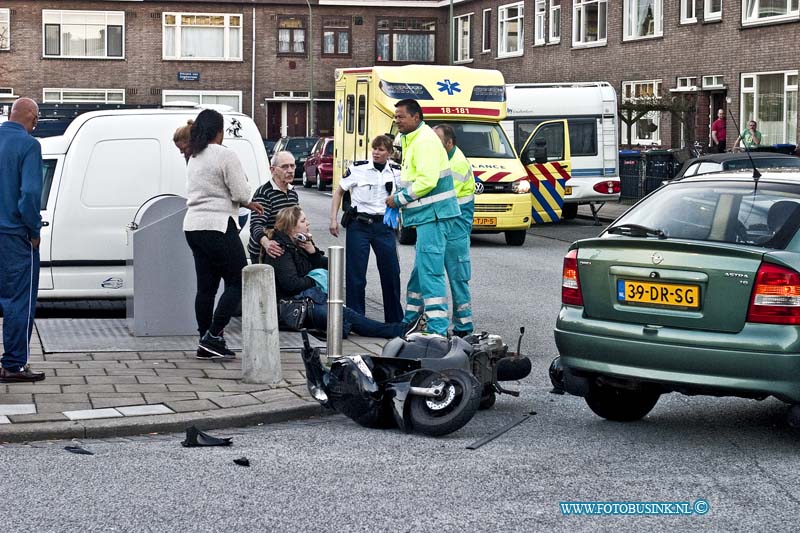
(456, 256)
(427, 201)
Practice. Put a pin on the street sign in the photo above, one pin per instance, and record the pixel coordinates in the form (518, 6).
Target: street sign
(188, 76)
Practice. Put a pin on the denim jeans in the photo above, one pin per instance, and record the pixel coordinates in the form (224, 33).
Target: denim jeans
(351, 320)
(19, 282)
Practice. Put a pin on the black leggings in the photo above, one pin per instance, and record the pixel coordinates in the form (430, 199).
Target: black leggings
(217, 256)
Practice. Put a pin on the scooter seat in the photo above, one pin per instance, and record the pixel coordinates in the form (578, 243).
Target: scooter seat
(435, 353)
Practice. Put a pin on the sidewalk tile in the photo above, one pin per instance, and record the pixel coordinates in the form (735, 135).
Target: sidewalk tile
(181, 372)
(114, 356)
(139, 410)
(202, 365)
(191, 405)
(153, 387)
(113, 380)
(66, 380)
(90, 414)
(205, 387)
(224, 374)
(237, 400)
(87, 388)
(131, 372)
(162, 379)
(17, 409)
(68, 357)
(161, 397)
(55, 364)
(270, 396)
(60, 407)
(206, 381)
(38, 417)
(207, 395)
(100, 403)
(35, 388)
(162, 355)
(80, 372)
(4, 420)
(243, 387)
(151, 364)
(16, 398)
(101, 364)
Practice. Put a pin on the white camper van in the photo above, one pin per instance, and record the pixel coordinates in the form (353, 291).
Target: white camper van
(96, 175)
(591, 112)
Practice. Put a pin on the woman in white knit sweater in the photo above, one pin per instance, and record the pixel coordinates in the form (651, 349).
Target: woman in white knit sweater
(216, 187)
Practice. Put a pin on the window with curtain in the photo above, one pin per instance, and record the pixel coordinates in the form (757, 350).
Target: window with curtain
(233, 99)
(291, 35)
(689, 11)
(202, 36)
(463, 38)
(589, 22)
(555, 21)
(712, 10)
(5, 29)
(646, 130)
(771, 100)
(539, 17)
(406, 40)
(89, 96)
(510, 30)
(642, 18)
(87, 34)
(754, 11)
(336, 36)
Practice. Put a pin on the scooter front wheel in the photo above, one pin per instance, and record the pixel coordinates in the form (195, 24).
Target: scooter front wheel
(449, 412)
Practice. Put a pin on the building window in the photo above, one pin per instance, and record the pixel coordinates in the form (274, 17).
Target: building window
(291, 35)
(689, 11)
(85, 34)
(510, 30)
(714, 82)
(770, 99)
(646, 130)
(687, 83)
(555, 21)
(486, 37)
(84, 96)
(406, 40)
(589, 22)
(713, 10)
(463, 44)
(336, 36)
(5, 29)
(642, 19)
(233, 99)
(539, 17)
(756, 11)
(215, 37)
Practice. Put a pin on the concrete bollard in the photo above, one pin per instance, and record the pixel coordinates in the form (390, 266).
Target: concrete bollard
(335, 300)
(261, 353)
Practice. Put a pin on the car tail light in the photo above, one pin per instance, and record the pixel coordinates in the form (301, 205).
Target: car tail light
(776, 296)
(607, 187)
(570, 284)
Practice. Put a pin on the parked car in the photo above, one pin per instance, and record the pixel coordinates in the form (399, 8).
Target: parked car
(695, 289)
(735, 161)
(300, 148)
(269, 146)
(319, 165)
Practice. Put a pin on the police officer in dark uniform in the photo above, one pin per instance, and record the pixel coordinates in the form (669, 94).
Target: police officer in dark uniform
(369, 183)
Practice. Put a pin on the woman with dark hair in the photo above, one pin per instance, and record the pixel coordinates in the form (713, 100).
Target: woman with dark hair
(216, 187)
(301, 271)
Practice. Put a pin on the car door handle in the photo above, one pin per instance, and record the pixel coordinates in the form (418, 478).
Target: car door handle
(45, 223)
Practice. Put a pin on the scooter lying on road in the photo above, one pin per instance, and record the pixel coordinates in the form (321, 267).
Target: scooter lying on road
(421, 383)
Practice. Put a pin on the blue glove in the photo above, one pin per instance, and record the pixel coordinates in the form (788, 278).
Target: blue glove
(320, 277)
(391, 217)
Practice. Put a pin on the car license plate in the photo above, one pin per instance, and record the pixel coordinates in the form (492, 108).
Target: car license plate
(567, 191)
(666, 294)
(484, 221)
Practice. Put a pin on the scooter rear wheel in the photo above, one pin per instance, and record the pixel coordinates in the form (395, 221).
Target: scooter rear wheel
(439, 416)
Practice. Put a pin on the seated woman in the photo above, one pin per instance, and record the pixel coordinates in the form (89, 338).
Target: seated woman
(292, 280)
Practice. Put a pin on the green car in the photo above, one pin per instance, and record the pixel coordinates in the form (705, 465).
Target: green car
(695, 289)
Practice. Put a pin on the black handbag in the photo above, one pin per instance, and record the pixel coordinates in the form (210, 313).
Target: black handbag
(293, 312)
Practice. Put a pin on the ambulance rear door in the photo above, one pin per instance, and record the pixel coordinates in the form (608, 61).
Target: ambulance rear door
(547, 159)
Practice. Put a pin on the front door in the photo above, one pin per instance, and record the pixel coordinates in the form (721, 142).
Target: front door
(274, 120)
(547, 158)
(324, 119)
(296, 119)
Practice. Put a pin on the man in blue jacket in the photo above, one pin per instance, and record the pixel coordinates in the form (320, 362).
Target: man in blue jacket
(20, 221)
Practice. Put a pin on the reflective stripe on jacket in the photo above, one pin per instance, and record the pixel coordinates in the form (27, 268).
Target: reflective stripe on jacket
(463, 180)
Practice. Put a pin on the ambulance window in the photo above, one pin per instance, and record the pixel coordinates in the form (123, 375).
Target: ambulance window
(351, 113)
(48, 169)
(362, 114)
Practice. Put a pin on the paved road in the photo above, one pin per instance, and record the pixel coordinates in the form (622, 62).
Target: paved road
(331, 475)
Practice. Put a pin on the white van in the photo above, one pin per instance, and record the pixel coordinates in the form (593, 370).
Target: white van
(96, 175)
(591, 112)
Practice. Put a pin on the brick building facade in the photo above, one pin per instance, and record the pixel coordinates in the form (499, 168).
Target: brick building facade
(257, 55)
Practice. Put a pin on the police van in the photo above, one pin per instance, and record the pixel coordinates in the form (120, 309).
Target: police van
(96, 176)
(591, 112)
(510, 195)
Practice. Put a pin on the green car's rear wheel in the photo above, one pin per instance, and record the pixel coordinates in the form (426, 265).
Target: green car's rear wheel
(620, 405)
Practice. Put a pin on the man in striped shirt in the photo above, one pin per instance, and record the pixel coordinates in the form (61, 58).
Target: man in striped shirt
(273, 196)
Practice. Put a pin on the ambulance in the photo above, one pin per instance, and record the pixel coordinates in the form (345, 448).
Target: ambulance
(512, 192)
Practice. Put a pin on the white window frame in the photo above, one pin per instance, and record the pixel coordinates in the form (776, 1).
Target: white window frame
(539, 19)
(714, 81)
(685, 84)
(709, 15)
(61, 12)
(579, 7)
(460, 23)
(486, 37)
(793, 14)
(502, 30)
(655, 116)
(178, 55)
(689, 11)
(753, 89)
(554, 36)
(5, 22)
(62, 91)
(200, 94)
(627, 26)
